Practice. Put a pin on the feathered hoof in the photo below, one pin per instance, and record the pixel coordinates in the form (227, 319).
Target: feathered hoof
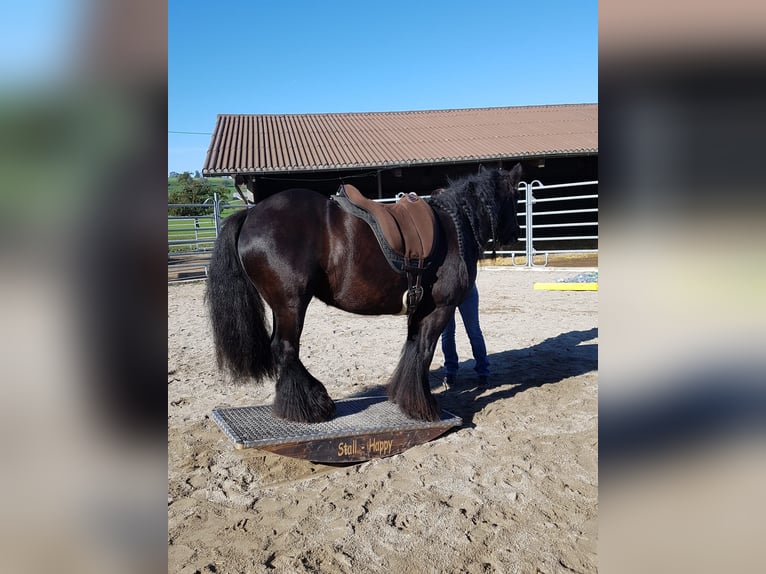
(316, 406)
(422, 411)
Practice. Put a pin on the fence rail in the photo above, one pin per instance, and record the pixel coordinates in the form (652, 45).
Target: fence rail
(536, 193)
(191, 237)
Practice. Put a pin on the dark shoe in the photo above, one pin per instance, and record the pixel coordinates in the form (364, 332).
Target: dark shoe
(483, 380)
(448, 381)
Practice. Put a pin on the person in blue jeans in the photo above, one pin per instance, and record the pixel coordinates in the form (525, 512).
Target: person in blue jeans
(469, 312)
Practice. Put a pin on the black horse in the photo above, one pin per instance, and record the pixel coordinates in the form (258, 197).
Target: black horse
(297, 244)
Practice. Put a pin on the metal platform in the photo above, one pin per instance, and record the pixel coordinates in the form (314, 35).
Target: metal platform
(363, 428)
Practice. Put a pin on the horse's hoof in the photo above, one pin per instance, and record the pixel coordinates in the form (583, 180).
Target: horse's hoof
(429, 413)
(322, 412)
(320, 409)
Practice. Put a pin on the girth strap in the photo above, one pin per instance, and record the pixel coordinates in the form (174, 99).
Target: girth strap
(414, 292)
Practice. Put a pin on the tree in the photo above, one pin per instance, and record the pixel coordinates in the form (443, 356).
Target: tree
(185, 178)
(192, 191)
(173, 174)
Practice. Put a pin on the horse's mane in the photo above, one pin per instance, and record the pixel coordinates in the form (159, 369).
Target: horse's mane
(470, 201)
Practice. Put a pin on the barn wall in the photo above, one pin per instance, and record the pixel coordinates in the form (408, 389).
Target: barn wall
(421, 179)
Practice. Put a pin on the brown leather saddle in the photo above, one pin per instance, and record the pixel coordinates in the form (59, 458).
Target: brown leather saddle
(406, 233)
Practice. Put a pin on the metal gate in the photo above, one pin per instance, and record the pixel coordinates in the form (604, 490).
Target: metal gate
(191, 237)
(537, 214)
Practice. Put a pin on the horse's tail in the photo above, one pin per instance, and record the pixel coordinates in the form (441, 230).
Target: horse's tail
(240, 332)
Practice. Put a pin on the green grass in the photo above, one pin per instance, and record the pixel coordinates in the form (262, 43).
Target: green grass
(184, 229)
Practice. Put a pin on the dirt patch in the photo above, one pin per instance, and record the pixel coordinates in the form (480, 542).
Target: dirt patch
(513, 490)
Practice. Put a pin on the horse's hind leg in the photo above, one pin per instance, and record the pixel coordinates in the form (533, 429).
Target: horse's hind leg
(299, 396)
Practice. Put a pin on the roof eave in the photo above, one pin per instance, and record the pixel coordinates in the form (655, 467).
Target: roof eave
(395, 164)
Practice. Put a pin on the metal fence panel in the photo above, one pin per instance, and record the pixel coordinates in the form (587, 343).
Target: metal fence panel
(190, 243)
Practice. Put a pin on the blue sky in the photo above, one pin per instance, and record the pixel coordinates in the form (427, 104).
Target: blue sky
(261, 57)
(38, 40)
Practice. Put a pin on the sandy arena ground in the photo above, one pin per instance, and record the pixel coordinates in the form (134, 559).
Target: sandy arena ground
(513, 490)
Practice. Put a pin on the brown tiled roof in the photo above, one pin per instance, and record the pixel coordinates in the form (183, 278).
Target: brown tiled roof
(310, 142)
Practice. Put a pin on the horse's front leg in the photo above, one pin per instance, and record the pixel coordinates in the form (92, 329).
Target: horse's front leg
(409, 386)
(299, 396)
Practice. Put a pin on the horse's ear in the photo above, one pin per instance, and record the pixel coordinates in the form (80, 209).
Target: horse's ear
(515, 175)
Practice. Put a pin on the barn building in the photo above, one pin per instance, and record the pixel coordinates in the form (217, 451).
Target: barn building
(385, 153)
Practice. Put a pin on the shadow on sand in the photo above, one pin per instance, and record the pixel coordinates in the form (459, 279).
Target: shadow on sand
(514, 371)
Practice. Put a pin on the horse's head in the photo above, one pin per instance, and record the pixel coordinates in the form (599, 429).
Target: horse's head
(506, 197)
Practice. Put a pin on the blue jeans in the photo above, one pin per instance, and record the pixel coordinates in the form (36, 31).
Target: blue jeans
(469, 311)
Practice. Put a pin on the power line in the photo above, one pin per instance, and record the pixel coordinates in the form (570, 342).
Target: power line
(192, 133)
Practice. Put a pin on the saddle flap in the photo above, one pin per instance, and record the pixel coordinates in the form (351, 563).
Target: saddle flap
(417, 223)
